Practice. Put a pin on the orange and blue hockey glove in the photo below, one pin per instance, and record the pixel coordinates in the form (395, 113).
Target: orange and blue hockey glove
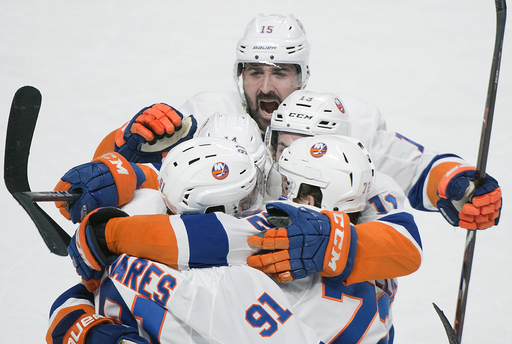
(73, 319)
(88, 248)
(109, 180)
(152, 132)
(306, 242)
(463, 205)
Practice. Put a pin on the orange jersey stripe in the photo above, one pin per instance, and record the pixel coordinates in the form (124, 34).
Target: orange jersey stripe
(106, 145)
(158, 242)
(151, 177)
(382, 253)
(434, 178)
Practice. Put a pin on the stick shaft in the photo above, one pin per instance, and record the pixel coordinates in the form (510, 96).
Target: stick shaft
(501, 14)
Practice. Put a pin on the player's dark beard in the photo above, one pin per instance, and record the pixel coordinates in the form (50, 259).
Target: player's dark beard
(269, 102)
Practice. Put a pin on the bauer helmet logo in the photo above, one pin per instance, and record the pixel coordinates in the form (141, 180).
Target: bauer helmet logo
(318, 150)
(220, 171)
(339, 105)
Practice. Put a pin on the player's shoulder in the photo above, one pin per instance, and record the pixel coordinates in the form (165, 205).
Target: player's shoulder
(386, 185)
(205, 104)
(366, 119)
(214, 99)
(386, 196)
(357, 108)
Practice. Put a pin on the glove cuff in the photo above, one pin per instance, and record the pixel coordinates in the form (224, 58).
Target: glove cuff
(443, 189)
(339, 246)
(77, 333)
(124, 175)
(90, 238)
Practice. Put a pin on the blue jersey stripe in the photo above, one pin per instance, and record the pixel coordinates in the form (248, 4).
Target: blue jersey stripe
(415, 195)
(208, 241)
(405, 220)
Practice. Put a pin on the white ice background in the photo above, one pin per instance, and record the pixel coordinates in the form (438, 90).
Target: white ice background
(424, 64)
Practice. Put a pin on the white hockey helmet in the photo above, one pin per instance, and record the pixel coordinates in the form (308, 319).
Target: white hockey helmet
(239, 128)
(339, 165)
(207, 174)
(308, 113)
(273, 39)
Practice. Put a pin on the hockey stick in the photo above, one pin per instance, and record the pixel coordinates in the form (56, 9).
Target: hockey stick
(51, 196)
(20, 130)
(501, 15)
(455, 333)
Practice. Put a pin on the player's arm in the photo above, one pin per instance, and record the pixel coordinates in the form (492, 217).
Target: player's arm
(73, 320)
(107, 144)
(387, 248)
(182, 242)
(328, 244)
(434, 181)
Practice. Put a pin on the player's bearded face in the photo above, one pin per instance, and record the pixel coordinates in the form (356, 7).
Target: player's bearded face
(265, 87)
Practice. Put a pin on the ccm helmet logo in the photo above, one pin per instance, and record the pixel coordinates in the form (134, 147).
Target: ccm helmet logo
(318, 150)
(220, 171)
(300, 115)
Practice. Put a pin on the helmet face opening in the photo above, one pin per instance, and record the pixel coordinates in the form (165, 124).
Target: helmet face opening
(278, 140)
(281, 75)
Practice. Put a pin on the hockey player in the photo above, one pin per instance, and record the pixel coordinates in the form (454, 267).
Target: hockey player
(272, 61)
(353, 264)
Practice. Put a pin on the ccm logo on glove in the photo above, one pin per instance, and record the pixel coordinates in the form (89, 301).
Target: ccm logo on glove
(338, 245)
(118, 163)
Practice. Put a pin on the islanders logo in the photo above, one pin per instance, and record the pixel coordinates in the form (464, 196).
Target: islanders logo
(339, 105)
(318, 150)
(220, 171)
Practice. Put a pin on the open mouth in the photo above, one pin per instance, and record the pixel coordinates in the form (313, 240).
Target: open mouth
(267, 107)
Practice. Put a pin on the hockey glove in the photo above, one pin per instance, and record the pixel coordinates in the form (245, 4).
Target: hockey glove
(307, 242)
(88, 248)
(463, 205)
(109, 180)
(153, 132)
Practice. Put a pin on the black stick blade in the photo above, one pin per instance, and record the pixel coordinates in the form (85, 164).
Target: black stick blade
(56, 240)
(20, 129)
(452, 336)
